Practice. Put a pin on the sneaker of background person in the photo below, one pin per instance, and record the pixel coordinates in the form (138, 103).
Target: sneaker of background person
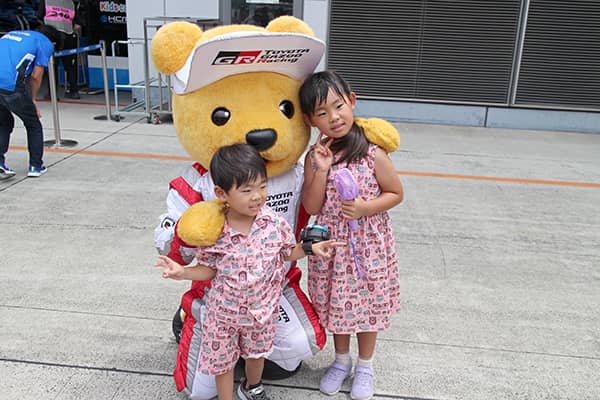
(332, 381)
(362, 384)
(6, 172)
(256, 393)
(72, 95)
(34, 172)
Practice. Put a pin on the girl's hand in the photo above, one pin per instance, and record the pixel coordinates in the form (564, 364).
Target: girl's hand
(354, 209)
(326, 247)
(171, 269)
(323, 154)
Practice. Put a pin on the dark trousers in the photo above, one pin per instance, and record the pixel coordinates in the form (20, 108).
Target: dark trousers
(70, 62)
(21, 104)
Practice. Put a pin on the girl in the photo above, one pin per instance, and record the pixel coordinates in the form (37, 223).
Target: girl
(346, 303)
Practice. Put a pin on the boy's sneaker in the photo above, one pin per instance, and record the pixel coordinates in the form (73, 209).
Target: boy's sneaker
(256, 393)
(34, 172)
(6, 172)
(362, 384)
(332, 381)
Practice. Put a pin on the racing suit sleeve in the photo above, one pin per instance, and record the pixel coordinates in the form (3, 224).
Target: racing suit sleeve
(180, 197)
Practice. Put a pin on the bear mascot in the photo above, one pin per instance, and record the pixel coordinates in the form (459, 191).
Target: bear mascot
(239, 84)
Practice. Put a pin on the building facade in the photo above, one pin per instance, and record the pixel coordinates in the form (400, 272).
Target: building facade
(505, 62)
(531, 64)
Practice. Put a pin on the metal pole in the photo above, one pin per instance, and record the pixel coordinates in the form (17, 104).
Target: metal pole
(147, 73)
(516, 71)
(113, 47)
(105, 78)
(107, 107)
(57, 142)
(160, 92)
(169, 105)
(52, 84)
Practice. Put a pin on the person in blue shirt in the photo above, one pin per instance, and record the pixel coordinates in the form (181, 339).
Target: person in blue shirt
(23, 57)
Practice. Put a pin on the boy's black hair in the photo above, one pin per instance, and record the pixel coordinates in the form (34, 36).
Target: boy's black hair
(314, 91)
(51, 33)
(236, 164)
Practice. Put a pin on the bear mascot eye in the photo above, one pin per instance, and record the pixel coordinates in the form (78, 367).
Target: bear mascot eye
(220, 116)
(287, 108)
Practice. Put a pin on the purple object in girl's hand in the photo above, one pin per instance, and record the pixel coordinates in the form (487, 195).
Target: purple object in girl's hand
(347, 187)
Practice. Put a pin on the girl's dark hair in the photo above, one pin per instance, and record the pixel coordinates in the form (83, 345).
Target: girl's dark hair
(235, 165)
(316, 87)
(352, 147)
(51, 33)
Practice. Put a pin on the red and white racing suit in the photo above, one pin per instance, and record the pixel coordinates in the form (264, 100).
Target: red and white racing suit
(299, 335)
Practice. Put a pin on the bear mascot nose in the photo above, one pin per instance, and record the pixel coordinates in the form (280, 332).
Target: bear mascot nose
(261, 139)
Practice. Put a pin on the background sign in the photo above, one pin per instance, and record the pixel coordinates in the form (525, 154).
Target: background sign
(109, 18)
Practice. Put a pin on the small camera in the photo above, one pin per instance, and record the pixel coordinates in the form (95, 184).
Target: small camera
(313, 234)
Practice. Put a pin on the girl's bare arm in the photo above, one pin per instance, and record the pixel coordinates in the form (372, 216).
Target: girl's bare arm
(313, 189)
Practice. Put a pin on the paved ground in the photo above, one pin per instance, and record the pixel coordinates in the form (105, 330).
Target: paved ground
(498, 239)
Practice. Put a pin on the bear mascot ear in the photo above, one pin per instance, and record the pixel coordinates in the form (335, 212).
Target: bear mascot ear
(287, 23)
(172, 44)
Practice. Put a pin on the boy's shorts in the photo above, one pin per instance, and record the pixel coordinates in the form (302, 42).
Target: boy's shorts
(223, 343)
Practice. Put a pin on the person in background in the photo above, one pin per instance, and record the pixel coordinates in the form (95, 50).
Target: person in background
(23, 57)
(64, 15)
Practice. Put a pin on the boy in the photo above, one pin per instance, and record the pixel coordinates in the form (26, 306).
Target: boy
(246, 266)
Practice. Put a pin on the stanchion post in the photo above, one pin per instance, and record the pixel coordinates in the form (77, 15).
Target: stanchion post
(105, 78)
(53, 99)
(160, 92)
(57, 142)
(113, 48)
(147, 97)
(169, 105)
(108, 115)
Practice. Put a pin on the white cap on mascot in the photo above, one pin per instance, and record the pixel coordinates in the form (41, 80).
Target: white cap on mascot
(292, 54)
